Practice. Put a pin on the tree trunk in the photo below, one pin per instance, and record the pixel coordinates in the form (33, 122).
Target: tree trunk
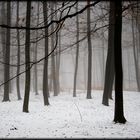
(7, 55)
(27, 59)
(3, 33)
(58, 58)
(18, 56)
(89, 80)
(45, 71)
(109, 72)
(135, 57)
(119, 111)
(3, 30)
(77, 54)
(35, 57)
(53, 57)
(58, 53)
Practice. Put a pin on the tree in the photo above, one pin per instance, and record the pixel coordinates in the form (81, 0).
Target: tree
(18, 55)
(7, 55)
(77, 54)
(27, 59)
(45, 70)
(119, 112)
(53, 63)
(135, 49)
(35, 57)
(58, 55)
(89, 80)
(109, 72)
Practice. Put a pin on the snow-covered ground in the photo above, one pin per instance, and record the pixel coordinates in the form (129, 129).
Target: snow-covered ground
(69, 117)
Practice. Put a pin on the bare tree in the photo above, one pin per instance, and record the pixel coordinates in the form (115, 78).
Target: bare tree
(35, 56)
(18, 55)
(53, 62)
(27, 59)
(119, 111)
(7, 55)
(77, 53)
(89, 80)
(45, 71)
(109, 72)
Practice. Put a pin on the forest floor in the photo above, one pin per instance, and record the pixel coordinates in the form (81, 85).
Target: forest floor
(68, 117)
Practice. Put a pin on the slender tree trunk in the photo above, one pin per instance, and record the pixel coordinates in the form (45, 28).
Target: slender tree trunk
(135, 56)
(3, 30)
(3, 33)
(89, 81)
(119, 111)
(27, 59)
(57, 56)
(77, 54)
(45, 71)
(18, 56)
(35, 57)
(53, 57)
(7, 55)
(109, 72)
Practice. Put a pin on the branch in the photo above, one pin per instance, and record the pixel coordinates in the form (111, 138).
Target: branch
(52, 21)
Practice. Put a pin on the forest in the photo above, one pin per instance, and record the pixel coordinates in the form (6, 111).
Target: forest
(69, 69)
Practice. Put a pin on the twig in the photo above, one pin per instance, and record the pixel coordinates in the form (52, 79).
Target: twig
(78, 111)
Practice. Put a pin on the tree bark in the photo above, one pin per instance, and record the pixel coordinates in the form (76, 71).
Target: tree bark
(53, 74)
(119, 111)
(18, 55)
(77, 54)
(35, 57)
(89, 80)
(45, 71)
(7, 55)
(109, 72)
(27, 59)
(57, 56)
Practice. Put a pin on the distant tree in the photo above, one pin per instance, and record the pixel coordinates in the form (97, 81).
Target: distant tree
(3, 30)
(18, 55)
(53, 62)
(119, 111)
(27, 59)
(77, 53)
(35, 56)
(7, 55)
(109, 71)
(89, 80)
(58, 54)
(45, 71)
(3, 33)
(135, 19)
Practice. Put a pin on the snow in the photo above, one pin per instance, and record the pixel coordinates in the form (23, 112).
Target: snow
(69, 117)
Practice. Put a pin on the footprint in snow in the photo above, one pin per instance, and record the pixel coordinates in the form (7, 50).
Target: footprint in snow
(14, 128)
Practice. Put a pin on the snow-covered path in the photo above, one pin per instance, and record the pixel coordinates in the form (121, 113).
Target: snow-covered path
(69, 117)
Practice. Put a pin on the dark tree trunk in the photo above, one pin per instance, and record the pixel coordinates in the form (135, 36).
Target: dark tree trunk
(27, 59)
(89, 80)
(18, 56)
(109, 72)
(77, 54)
(7, 55)
(45, 71)
(119, 111)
